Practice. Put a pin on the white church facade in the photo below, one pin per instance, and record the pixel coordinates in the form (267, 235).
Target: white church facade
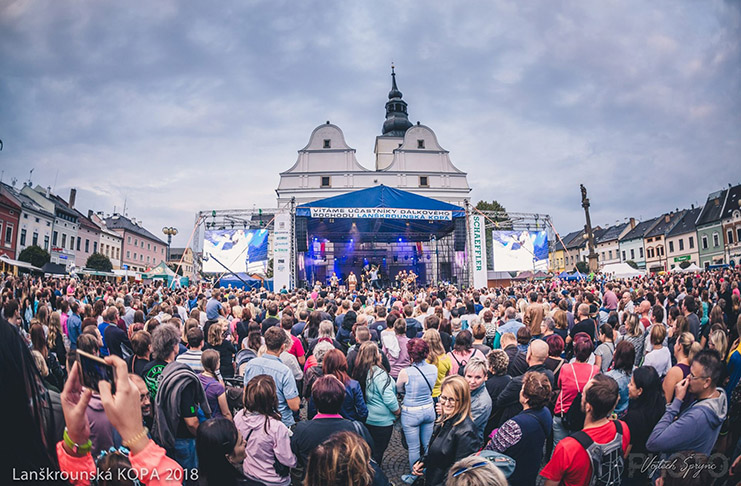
(408, 157)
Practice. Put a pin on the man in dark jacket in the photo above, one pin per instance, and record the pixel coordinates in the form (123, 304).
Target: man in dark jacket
(113, 336)
(517, 361)
(509, 400)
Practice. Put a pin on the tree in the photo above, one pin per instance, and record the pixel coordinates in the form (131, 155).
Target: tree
(174, 268)
(269, 270)
(35, 255)
(632, 264)
(582, 267)
(99, 262)
(501, 221)
(490, 206)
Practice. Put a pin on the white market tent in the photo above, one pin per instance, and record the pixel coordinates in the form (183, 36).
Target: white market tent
(621, 270)
(690, 269)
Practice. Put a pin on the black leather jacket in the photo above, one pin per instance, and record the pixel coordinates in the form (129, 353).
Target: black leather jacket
(449, 443)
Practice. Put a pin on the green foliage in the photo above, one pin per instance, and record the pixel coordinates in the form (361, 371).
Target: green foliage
(269, 270)
(632, 264)
(174, 268)
(35, 255)
(582, 267)
(490, 206)
(99, 262)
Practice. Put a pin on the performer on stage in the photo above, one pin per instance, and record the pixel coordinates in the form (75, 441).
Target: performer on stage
(352, 282)
(374, 278)
(334, 282)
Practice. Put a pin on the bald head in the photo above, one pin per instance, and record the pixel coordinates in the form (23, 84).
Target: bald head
(583, 311)
(537, 353)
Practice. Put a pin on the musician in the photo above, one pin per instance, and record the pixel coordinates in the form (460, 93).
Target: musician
(374, 278)
(334, 282)
(352, 282)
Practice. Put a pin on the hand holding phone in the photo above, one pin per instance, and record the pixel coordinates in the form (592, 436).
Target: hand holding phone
(94, 370)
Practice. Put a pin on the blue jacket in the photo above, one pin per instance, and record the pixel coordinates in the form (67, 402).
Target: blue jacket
(354, 407)
(692, 428)
(74, 329)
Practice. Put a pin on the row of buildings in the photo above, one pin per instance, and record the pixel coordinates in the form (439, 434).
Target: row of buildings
(708, 235)
(35, 216)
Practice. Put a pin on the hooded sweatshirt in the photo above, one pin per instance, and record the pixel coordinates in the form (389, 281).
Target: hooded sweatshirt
(265, 447)
(695, 428)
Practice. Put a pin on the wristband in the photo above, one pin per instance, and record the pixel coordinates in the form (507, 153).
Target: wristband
(78, 449)
(128, 443)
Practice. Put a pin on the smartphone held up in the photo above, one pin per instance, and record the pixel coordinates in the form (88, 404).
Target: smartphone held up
(94, 370)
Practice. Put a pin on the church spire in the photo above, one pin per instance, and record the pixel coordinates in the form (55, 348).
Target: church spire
(397, 120)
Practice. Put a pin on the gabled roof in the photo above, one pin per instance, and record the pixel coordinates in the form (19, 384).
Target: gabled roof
(686, 224)
(26, 202)
(118, 221)
(732, 202)
(611, 234)
(86, 222)
(640, 230)
(665, 224)
(713, 208)
(567, 239)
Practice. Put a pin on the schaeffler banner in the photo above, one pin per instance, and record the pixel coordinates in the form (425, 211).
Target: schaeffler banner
(478, 250)
(386, 213)
(282, 252)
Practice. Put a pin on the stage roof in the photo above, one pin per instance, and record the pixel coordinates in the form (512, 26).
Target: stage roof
(379, 214)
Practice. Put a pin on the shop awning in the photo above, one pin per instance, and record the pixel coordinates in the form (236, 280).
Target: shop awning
(18, 263)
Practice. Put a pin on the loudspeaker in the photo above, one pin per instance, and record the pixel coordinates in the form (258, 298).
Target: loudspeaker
(301, 235)
(459, 234)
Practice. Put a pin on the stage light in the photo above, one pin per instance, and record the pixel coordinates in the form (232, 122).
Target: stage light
(400, 240)
(351, 240)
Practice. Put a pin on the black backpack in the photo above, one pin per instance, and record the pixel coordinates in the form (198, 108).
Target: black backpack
(606, 459)
(461, 366)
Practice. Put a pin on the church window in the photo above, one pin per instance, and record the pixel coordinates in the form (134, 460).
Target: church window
(326, 181)
(327, 143)
(424, 181)
(420, 144)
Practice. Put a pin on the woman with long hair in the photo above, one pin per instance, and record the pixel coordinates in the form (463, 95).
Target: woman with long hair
(212, 386)
(622, 368)
(55, 338)
(267, 438)
(221, 452)
(438, 358)
(454, 436)
(398, 357)
(380, 397)
(312, 325)
(354, 407)
(39, 343)
(418, 408)
(220, 340)
(632, 331)
(685, 349)
(645, 409)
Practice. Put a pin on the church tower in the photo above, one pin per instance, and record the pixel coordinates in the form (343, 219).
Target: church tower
(394, 127)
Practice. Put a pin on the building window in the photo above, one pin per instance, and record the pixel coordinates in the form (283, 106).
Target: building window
(128, 254)
(424, 181)
(95, 247)
(704, 242)
(129, 240)
(149, 246)
(609, 253)
(46, 242)
(54, 238)
(661, 250)
(142, 242)
(141, 257)
(37, 220)
(8, 234)
(671, 246)
(136, 242)
(23, 237)
(681, 245)
(327, 143)
(716, 240)
(326, 181)
(147, 258)
(87, 245)
(729, 236)
(64, 240)
(79, 242)
(420, 144)
(603, 255)
(691, 242)
(72, 243)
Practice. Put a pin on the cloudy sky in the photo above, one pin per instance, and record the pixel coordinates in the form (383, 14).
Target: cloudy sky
(180, 106)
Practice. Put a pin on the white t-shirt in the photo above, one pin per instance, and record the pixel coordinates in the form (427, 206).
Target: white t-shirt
(660, 359)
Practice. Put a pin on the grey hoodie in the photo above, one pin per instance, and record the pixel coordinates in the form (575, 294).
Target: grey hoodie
(695, 429)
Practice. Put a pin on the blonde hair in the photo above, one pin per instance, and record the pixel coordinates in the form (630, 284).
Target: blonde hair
(462, 394)
(470, 471)
(432, 338)
(215, 333)
(40, 363)
(55, 329)
(237, 312)
(688, 345)
(719, 340)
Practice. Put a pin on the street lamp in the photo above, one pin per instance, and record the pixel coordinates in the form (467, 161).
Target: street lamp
(170, 231)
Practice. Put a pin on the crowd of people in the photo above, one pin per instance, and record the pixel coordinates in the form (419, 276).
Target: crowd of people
(601, 382)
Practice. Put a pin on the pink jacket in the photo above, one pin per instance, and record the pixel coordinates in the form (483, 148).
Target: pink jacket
(152, 467)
